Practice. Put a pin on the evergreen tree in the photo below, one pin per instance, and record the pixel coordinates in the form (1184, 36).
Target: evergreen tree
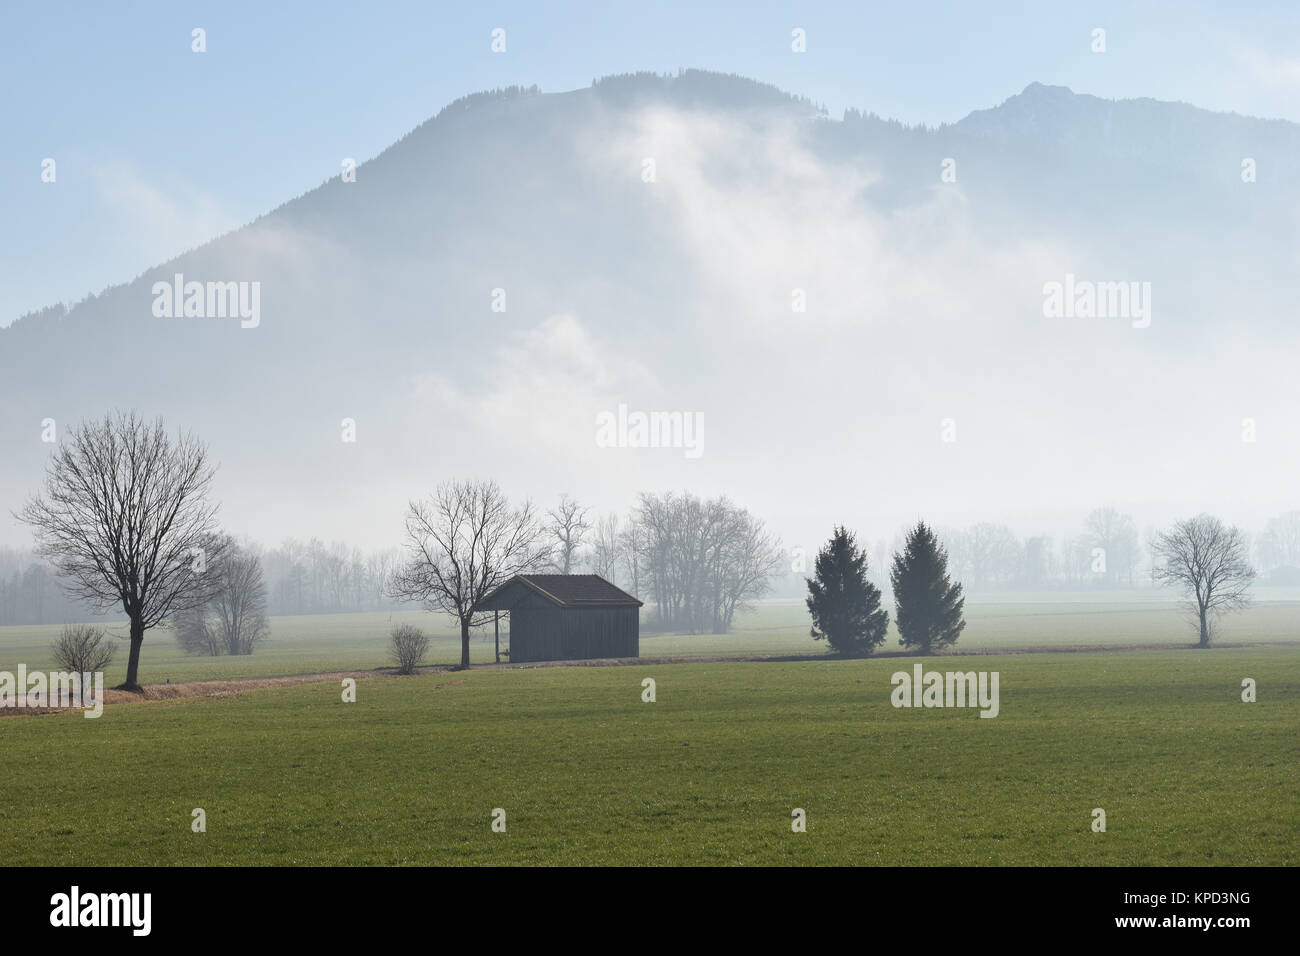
(928, 606)
(844, 605)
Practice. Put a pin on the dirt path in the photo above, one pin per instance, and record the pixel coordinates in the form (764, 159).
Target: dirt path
(217, 688)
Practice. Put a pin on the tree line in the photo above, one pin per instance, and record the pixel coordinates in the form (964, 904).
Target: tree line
(30, 592)
(1200, 556)
(699, 561)
(126, 521)
(302, 577)
(1108, 551)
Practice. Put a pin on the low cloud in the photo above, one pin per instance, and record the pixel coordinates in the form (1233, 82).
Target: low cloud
(160, 216)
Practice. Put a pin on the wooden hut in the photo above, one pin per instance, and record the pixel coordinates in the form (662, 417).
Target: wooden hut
(565, 617)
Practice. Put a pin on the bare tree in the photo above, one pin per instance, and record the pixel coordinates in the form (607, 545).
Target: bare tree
(1116, 535)
(1077, 559)
(82, 649)
(957, 542)
(567, 527)
(356, 578)
(407, 647)
(1207, 560)
(316, 562)
(379, 572)
(703, 560)
(195, 632)
(1279, 546)
(462, 544)
(748, 557)
(335, 567)
(632, 545)
(1152, 539)
(606, 553)
(124, 517)
(1038, 561)
(994, 555)
(239, 604)
(880, 550)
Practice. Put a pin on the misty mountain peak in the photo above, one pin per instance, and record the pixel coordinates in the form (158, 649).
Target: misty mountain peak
(1045, 91)
(1039, 110)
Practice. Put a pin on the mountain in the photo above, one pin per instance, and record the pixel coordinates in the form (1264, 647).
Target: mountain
(651, 239)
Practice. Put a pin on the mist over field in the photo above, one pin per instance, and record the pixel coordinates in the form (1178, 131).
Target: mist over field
(853, 308)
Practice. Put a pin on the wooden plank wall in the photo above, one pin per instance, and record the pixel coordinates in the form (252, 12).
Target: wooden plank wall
(574, 633)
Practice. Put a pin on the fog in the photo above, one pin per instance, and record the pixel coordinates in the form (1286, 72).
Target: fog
(856, 324)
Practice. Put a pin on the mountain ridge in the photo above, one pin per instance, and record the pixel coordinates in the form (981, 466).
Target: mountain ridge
(637, 88)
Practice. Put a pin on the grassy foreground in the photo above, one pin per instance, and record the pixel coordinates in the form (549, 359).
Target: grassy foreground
(708, 774)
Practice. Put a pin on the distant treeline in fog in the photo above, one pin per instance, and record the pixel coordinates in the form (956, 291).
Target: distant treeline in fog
(649, 551)
(1107, 553)
(309, 577)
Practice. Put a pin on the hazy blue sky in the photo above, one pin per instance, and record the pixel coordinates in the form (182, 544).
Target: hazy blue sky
(159, 148)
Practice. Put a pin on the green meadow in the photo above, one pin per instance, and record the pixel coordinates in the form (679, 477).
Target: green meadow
(709, 773)
(333, 642)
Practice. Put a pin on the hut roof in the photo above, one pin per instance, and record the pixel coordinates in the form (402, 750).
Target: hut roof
(563, 590)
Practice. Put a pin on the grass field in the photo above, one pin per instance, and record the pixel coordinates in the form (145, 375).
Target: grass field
(330, 642)
(708, 774)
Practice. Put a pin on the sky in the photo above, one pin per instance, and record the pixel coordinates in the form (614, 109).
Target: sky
(158, 148)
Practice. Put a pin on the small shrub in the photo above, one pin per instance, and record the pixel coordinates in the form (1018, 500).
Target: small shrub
(82, 649)
(408, 647)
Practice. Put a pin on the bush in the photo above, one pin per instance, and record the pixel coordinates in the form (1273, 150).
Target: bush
(82, 649)
(409, 645)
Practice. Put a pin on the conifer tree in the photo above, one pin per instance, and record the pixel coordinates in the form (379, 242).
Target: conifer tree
(844, 604)
(928, 606)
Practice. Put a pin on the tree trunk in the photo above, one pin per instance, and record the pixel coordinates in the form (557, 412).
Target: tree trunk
(1205, 631)
(464, 645)
(133, 662)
